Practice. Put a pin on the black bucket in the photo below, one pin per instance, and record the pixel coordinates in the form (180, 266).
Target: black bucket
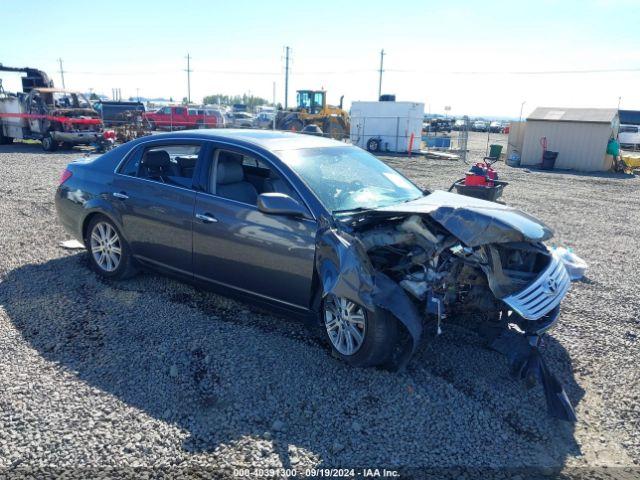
(548, 160)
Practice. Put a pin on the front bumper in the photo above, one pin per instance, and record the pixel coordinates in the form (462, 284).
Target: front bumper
(77, 138)
(544, 294)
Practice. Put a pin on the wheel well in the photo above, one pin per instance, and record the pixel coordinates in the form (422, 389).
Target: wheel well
(86, 222)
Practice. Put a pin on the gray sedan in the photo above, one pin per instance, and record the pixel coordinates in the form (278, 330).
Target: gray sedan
(324, 230)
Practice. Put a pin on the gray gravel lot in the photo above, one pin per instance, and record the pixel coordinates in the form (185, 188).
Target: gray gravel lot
(151, 372)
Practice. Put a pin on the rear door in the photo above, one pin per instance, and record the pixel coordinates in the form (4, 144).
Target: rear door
(237, 246)
(157, 203)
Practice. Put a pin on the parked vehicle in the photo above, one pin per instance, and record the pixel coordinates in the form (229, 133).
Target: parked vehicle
(242, 120)
(496, 127)
(459, 125)
(479, 126)
(436, 125)
(40, 112)
(239, 107)
(181, 117)
(53, 116)
(312, 109)
(116, 113)
(264, 120)
(629, 136)
(324, 230)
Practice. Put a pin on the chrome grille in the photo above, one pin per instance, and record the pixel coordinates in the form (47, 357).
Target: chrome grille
(544, 294)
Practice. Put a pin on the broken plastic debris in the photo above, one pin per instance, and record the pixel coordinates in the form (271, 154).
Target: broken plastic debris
(72, 245)
(576, 267)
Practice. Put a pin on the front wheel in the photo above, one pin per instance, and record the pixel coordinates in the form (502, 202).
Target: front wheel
(49, 144)
(109, 254)
(358, 336)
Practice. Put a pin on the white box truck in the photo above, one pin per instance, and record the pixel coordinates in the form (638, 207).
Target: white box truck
(387, 126)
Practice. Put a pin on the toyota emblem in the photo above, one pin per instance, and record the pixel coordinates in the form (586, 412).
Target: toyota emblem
(551, 287)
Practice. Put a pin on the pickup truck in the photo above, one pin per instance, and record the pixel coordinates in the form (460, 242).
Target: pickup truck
(181, 117)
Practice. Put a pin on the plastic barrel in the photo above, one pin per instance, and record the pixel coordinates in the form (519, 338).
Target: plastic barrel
(495, 150)
(548, 160)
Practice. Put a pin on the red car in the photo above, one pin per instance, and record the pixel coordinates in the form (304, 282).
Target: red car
(181, 118)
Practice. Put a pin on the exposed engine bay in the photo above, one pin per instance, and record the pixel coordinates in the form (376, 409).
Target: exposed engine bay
(508, 288)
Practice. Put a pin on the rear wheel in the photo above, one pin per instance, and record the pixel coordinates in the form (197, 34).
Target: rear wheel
(109, 254)
(152, 125)
(49, 144)
(358, 336)
(373, 144)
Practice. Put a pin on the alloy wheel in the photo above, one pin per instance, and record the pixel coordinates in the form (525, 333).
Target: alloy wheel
(345, 322)
(106, 247)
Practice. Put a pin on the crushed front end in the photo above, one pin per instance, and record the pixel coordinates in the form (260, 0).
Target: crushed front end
(493, 275)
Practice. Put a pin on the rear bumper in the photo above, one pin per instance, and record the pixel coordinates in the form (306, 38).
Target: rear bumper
(69, 212)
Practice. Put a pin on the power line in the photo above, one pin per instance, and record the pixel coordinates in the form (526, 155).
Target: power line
(188, 78)
(62, 73)
(381, 70)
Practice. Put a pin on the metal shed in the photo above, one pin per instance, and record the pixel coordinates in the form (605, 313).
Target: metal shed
(579, 135)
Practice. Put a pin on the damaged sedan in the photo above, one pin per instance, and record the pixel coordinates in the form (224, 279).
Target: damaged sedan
(323, 229)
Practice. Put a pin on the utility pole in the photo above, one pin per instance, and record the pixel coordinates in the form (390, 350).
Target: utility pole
(61, 73)
(188, 70)
(381, 70)
(286, 79)
(138, 93)
(275, 109)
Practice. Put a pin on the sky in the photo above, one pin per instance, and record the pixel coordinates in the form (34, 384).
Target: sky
(480, 58)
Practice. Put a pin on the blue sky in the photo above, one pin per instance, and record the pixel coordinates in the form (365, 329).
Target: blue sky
(470, 55)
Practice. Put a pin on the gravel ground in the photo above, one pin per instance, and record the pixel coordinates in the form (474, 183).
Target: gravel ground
(151, 372)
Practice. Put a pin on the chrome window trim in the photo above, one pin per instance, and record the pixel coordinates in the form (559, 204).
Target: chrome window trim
(192, 190)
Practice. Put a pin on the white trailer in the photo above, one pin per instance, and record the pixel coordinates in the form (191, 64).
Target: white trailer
(387, 126)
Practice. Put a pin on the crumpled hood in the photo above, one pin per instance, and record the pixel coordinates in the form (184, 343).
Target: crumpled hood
(476, 222)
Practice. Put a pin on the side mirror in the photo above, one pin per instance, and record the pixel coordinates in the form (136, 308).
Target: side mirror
(280, 204)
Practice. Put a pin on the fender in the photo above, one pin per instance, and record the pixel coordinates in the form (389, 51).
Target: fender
(100, 205)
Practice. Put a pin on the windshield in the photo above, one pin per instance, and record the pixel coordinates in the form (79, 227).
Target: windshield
(348, 178)
(70, 100)
(628, 129)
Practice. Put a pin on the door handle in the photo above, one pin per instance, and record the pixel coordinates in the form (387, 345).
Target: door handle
(121, 195)
(206, 217)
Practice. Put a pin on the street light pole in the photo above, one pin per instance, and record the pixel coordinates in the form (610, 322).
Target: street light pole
(521, 107)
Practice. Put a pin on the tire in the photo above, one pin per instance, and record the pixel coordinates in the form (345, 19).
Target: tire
(101, 229)
(200, 125)
(152, 125)
(334, 130)
(295, 125)
(49, 144)
(373, 144)
(379, 332)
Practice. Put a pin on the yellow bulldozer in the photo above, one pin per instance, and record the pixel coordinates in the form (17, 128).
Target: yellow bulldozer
(312, 109)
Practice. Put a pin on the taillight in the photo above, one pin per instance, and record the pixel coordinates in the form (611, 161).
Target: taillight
(66, 175)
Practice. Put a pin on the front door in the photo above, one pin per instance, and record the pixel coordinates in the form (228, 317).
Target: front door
(154, 195)
(236, 245)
